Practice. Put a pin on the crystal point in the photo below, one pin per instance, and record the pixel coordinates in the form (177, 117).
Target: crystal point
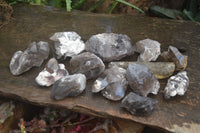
(88, 64)
(68, 86)
(138, 105)
(149, 50)
(110, 46)
(67, 44)
(51, 73)
(176, 85)
(142, 80)
(34, 55)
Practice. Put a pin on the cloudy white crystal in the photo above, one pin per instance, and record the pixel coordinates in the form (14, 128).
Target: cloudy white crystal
(149, 50)
(67, 44)
(176, 85)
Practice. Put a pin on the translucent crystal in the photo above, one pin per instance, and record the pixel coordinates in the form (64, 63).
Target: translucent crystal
(174, 55)
(34, 55)
(88, 64)
(138, 105)
(177, 85)
(149, 50)
(112, 83)
(51, 73)
(67, 44)
(68, 86)
(110, 46)
(142, 80)
(161, 70)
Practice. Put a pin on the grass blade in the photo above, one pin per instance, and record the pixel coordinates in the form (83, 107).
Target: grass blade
(78, 4)
(128, 4)
(96, 5)
(114, 4)
(68, 5)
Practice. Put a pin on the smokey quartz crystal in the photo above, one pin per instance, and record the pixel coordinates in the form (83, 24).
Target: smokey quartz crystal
(112, 83)
(67, 44)
(176, 85)
(138, 105)
(34, 55)
(87, 63)
(149, 49)
(51, 73)
(142, 80)
(68, 86)
(174, 55)
(110, 46)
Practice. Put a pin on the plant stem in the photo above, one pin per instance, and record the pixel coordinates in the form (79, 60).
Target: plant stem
(114, 4)
(68, 5)
(96, 5)
(78, 4)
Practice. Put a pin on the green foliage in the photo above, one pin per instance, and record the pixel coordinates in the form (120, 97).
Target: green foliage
(96, 5)
(114, 4)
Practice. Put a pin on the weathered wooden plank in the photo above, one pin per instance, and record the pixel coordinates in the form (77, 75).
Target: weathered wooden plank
(34, 23)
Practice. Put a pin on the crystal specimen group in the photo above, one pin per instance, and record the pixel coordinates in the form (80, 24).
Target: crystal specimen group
(142, 80)
(174, 55)
(109, 46)
(138, 105)
(149, 49)
(112, 84)
(68, 86)
(176, 85)
(161, 70)
(88, 64)
(67, 44)
(34, 55)
(51, 73)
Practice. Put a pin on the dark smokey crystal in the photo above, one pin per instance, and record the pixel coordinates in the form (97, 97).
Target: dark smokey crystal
(68, 86)
(138, 105)
(88, 64)
(34, 55)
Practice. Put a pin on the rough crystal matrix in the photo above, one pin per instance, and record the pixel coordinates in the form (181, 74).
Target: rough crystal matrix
(142, 80)
(138, 105)
(110, 46)
(51, 73)
(34, 55)
(68, 86)
(88, 64)
(149, 50)
(67, 44)
(112, 83)
(176, 85)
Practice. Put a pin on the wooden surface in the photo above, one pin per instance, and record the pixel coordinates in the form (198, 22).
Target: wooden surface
(36, 23)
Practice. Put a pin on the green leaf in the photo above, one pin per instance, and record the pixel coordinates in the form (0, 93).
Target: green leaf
(165, 13)
(128, 4)
(68, 5)
(197, 17)
(114, 4)
(189, 14)
(79, 4)
(96, 5)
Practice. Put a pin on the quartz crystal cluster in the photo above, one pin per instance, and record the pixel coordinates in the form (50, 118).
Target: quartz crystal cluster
(110, 46)
(142, 80)
(149, 50)
(34, 55)
(112, 84)
(67, 44)
(176, 85)
(51, 73)
(88, 64)
(68, 86)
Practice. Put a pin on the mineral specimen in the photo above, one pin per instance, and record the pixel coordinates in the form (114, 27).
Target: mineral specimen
(88, 64)
(110, 46)
(138, 105)
(68, 86)
(142, 80)
(149, 50)
(112, 84)
(67, 44)
(161, 70)
(174, 55)
(34, 55)
(51, 73)
(176, 85)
